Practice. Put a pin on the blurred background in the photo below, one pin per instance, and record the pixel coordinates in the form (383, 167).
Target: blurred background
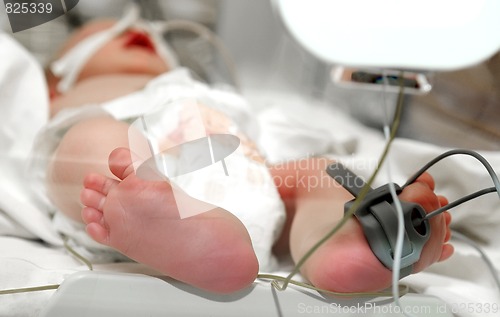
(462, 110)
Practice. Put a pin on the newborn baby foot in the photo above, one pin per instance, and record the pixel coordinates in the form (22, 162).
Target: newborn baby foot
(140, 219)
(346, 263)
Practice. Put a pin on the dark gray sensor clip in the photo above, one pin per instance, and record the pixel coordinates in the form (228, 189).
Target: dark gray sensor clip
(378, 217)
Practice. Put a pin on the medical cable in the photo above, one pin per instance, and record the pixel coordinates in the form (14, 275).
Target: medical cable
(363, 192)
(474, 154)
(400, 232)
(398, 248)
(402, 289)
(29, 289)
(458, 202)
(464, 199)
(76, 254)
(440, 210)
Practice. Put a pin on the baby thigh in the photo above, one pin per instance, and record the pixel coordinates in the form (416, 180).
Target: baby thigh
(84, 148)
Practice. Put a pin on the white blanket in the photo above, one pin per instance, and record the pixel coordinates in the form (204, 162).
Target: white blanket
(291, 127)
(24, 108)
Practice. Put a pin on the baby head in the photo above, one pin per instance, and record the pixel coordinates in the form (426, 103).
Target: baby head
(131, 52)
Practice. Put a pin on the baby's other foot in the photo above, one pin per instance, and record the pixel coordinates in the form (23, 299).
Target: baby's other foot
(140, 219)
(346, 263)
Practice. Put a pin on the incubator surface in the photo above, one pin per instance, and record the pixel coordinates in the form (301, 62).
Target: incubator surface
(116, 294)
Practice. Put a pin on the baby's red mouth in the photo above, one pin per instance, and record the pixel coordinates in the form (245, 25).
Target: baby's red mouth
(139, 39)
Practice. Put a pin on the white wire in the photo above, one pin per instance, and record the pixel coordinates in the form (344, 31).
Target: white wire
(401, 225)
(399, 211)
(398, 250)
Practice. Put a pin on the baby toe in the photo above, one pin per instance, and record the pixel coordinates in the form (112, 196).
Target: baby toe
(90, 215)
(99, 183)
(120, 163)
(98, 232)
(92, 198)
(447, 252)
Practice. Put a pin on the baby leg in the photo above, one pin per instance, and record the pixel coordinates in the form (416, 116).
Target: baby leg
(139, 218)
(345, 262)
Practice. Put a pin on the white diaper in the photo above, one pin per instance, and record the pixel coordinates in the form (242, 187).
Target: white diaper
(238, 182)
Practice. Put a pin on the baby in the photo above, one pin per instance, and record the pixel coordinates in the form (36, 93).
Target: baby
(94, 165)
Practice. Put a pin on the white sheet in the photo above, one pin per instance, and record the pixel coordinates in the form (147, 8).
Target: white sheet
(24, 108)
(291, 127)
